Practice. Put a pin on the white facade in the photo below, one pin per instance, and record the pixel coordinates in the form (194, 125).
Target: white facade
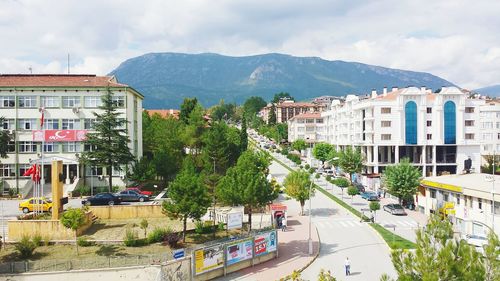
(489, 125)
(69, 102)
(307, 126)
(436, 131)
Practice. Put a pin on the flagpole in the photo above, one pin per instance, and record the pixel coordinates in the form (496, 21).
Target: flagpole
(42, 179)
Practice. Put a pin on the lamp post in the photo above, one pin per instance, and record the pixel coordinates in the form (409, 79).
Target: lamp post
(310, 212)
(492, 177)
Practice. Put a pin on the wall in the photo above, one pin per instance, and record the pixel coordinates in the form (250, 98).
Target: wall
(53, 229)
(127, 211)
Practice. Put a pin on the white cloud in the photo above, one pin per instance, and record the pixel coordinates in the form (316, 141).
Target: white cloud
(455, 39)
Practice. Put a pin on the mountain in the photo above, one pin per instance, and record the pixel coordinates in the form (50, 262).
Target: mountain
(492, 91)
(165, 79)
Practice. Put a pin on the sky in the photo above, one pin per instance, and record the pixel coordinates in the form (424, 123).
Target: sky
(455, 39)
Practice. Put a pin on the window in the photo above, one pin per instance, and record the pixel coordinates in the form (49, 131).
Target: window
(487, 136)
(8, 124)
(27, 147)
(385, 110)
(50, 147)
(70, 102)
(429, 136)
(469, 110)
(7, 170)
(11, 146)
(310, 129)
(458, 199)
(433, 193)
(27, 101)
(486, 125)
(92, 101)
(51, 124)
(309, 121)
(469, 123)
(300, 129)
(93, 171)
(23, 168)
(71, 147)
(118, 101)
(50, 101)
(385, 124)
(88, 147)
(446, 196)
(411, 122)
(498, 136)
(300, 121)
(450, 130)
(319, 121)
(385, 137)
(429, 110)
(469, 136)
(7, 101)
(71, 124)
(480, 203)
(26, 124)
(429, 123)
(89, 124)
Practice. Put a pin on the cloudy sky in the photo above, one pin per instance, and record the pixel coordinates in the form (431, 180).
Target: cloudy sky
(454, 39)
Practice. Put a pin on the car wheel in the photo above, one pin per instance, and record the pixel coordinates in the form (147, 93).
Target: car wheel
(26, 210)
(111, 203)
(141, 199)
(87, 203)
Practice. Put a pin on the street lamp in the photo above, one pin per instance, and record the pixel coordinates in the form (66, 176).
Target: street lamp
(310, 212)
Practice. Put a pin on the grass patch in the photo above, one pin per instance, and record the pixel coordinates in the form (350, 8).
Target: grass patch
(394, 241)
(340, 202)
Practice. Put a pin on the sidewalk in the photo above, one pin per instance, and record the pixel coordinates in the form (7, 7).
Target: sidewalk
(292, 249)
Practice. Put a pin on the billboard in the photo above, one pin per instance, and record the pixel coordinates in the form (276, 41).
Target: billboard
(238, 251)
(59, 135)
(234, 220)
(208, 258)
(265, 243)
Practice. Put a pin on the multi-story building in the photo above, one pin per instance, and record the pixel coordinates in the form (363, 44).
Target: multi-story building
(489, 122)
(307, 126)
(68, 103)
(287, 109)
(437, 132)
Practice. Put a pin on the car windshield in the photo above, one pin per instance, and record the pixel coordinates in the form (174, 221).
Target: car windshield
(397, 206)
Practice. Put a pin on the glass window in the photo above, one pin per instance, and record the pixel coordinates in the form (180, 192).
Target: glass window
(433, 193)
(7, 101)
(7, 170)
(385, 124)
(71, 124)
(309, 121)
(450, 134)
(89, 124)
(429, 123)
(50, 147)
(385, 110)
(71, 147)
(429, 136)
(27, 147)
(11, 146)
(300, 121)
(469, 136)
(71, 101)
(51, 124)
(469, 123)
(319, 121)
(8, 124)
(486, 125)
(480, 203)
(50, 101)
(458, 199)
(26, 124)
(93, 171)
(429, 109)
(27, 101)
(92, 101)
(411, 122)
(487, 136)
(469, 110)
(385, 137)
(23, 168)
(118, 101)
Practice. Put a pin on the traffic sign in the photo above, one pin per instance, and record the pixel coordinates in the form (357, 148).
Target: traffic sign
(179, 254)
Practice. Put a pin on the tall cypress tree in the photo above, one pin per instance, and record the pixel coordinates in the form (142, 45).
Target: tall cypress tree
(272, 115)
(243, 134)
(109, 141)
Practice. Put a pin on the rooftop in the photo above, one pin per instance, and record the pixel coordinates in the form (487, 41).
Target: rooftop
(471, 184)
(164, 112)
(58, 80)
(307, 115)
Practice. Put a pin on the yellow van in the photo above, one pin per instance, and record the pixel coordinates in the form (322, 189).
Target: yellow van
(30, 204)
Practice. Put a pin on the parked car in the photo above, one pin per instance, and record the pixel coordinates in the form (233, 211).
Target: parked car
(395, 209)
(360, 187)
(42, 203)
(139, 190)
(373, 198)
(328, 172)
(132, 196)
(104, 198)
(368, 194)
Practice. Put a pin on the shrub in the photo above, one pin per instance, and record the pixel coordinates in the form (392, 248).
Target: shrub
(37, 239)
(311, 170)
(302, 167)
(317, 176)
(221, 226)
(46, 241)
(12, 192)
(172, 239)
(341, 182)
(328, 178)
(284, 151)
(307, 166)
(144, 226)
(131, 238)
(82, 190)
(294, 158)
(199, 227)
(25, 247)
(83, 242)
(158, 234)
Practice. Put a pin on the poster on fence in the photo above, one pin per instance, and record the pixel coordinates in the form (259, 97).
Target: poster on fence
(209, 258)
(238, 251)
(265, 243)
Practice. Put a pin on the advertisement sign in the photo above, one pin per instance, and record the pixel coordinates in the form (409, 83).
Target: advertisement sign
(238, 251)
(59, 135)
(208, 258)
(265, 243)
(234, 220)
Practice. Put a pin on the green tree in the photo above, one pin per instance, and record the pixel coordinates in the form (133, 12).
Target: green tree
(298, 185)
(374, 207)
(109, 141)
(402, 180)
(243, 135)
(281, 97)
(272, 115)
(325, 276)
(351, 161)
(4, 140)
(299, 145)
(144, 226)
(223, 111)
(188, 196)
(352, 191)
(439, 256)
(246, 183)
(253, 105)
(73, 219)
(322, 151)
(187, 106)
(142, 171)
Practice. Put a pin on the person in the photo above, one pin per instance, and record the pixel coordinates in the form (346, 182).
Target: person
(347, 266)
(283, 224)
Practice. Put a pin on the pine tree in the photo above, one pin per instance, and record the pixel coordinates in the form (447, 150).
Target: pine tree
(109, 143)
(272, 115)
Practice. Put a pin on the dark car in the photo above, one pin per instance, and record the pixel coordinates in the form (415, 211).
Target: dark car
(395, 209)
(104, 198)
(360, 187)
(368, 194)
(132, 196)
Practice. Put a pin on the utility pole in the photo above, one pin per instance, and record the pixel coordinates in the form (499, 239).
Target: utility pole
(310, 212)
(493, 196)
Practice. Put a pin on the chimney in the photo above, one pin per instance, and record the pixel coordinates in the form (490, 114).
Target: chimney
(385, 91)
(394, 89)
(423, 89)
(374, 93)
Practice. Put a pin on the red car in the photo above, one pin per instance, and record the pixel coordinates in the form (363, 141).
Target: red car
(138, 190)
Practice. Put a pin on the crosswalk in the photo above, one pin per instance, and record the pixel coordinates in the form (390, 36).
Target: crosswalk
(351, 223)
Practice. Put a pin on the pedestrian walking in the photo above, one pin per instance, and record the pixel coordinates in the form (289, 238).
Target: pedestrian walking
(283, 224)
(347, 266)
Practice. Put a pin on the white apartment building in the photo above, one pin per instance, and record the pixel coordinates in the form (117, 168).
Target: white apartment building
(489, 122)
(307, 126)
(436, 131)
(69, 102)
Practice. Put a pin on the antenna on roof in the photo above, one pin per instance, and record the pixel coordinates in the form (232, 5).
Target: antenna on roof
(68, 63)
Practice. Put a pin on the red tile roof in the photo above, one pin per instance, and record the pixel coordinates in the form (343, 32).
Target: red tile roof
(58, 80)
(307, 115)
(164, 112)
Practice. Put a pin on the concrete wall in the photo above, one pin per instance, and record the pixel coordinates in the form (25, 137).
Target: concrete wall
(127, 211)
(53, 229)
